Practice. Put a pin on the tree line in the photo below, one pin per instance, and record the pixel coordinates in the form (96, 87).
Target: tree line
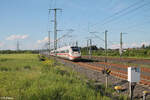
(19, 51)
(143, 51)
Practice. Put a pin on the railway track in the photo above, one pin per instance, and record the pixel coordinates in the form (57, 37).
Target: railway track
(118, 72)
(123, 60)
(118, 75)
(122, 69)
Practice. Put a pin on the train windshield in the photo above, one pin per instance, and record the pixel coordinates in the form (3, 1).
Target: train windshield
(75, 49)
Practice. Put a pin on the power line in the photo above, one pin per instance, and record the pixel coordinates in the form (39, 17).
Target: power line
(135, 26)
(130, 11)
(97, 36)
(106, 20)
(126, 13)
(121, 11)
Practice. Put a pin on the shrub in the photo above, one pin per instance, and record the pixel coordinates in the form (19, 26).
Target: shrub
(41, 58)
(5, 69)
(3, 60)
(27, 67)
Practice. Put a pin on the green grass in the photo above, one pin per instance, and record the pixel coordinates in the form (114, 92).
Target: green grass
(136, 57)
(24, 77)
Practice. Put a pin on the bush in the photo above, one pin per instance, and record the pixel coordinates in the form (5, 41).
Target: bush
(27, 67)
(148, 52)
(41, 58)
(5, 69)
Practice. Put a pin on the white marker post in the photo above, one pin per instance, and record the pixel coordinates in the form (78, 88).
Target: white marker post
(133, 78)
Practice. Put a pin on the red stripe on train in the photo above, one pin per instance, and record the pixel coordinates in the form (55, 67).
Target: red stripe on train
(67, 55)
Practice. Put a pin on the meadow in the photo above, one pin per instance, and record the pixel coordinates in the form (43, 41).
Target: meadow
(25, 77)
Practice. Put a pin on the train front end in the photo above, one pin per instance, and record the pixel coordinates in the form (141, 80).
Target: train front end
(75, 53)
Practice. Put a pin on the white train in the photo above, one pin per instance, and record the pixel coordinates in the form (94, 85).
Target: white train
(68, 52)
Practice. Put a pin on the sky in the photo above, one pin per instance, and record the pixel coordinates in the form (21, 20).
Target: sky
(28, 21)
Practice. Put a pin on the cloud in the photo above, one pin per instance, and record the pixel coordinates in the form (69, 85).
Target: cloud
(132, 45)
(115, 46)
(135, 45)
(1, 44)
(43, 41)
(14, 37)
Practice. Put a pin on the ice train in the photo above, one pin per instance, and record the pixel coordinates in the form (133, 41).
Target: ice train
(68, 52)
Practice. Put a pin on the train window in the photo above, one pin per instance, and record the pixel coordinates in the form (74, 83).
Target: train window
(62, 51)
(75, 49)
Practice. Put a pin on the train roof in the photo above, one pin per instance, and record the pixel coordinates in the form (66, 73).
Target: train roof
(65, 47)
